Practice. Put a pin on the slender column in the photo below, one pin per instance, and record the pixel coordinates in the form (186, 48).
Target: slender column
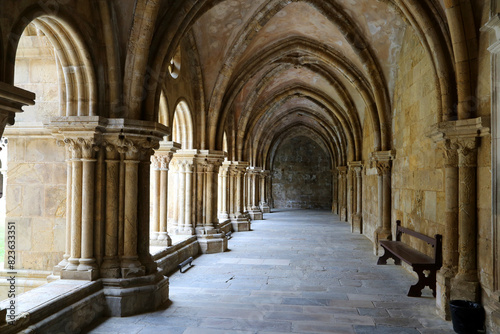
(224, 200)
(335, 203)
(262, 188)
(110, 267)
(342, 193)
(358, 170)
(182, 196)
(219, 194)
(76, 206)
(173, 204)
(188, 225)
(200, 185)
(87, 261)
(163, 218)
(248, 197)
(209, 222)
(155, 219)
(384, 198)
(131, 266)
(239, 191)
(254, 191)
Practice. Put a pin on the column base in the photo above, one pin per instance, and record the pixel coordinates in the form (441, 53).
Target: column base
(212, 243)
(224, 225)
(264, 207)
(465, 290)
(87, 275)
(343, 214)
(161, 242)
(110, 268)
(132, 267)
(356, 226)
(492, 310)
(443, 290)
(126, 297)
(240, 224)
(255, 214)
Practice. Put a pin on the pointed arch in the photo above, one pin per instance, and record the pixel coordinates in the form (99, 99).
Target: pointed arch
(182, 125)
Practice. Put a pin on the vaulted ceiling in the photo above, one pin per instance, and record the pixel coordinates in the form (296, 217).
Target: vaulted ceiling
(270, 67)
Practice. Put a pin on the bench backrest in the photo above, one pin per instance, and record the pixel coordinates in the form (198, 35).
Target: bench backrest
(435, 242)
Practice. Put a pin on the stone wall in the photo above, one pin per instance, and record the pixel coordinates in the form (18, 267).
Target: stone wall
(302, 175)
(36, 200)
(418, 175)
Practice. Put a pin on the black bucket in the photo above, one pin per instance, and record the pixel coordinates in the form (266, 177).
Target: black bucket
(467, 317)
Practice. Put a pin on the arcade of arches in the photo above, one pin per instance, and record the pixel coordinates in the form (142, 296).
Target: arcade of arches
(141, 132)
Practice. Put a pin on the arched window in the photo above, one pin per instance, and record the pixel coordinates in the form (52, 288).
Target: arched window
(182, 127)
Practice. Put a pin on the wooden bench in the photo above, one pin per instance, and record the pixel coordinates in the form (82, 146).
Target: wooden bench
(420, 262)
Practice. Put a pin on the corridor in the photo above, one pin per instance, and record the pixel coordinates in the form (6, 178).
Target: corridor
(297, 271)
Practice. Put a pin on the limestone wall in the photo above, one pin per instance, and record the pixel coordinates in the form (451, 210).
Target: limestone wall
(36, 200)
(302, 176)
(417, 181)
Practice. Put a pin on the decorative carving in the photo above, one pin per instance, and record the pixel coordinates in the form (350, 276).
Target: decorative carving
(383, 167)
(467, 151)
(450, 153)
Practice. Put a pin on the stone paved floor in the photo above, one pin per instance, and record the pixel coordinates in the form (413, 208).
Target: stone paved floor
(297, 271)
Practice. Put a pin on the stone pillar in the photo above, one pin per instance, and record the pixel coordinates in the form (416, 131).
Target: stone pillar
(110, 267)
(335, 191)
(160, 175)
(64, 262)
(458, 277)
(450, 237)
(81, 263)
(465, 285)
(253, 209)
(342, 193)
(239, 219)
(264, 196)
(383, 163)
(223, 207)
(357, 168)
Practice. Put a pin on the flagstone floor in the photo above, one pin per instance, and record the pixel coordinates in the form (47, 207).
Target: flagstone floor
(297, 271)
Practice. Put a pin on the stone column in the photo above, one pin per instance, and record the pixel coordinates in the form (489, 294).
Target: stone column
(253, 209)
(76, 205)
(239, 219)
(458, 277)
(335, 190)
(357, 168)
(162, 235)
(450, 237)
(87, 260)
(155, 185)
(173, 190)
(465, 285)
(188, 223)
(383, 163)
(223, 186)
(342, 193)
(264, 204)
(160, 172)
(110, 267)
(130, 264)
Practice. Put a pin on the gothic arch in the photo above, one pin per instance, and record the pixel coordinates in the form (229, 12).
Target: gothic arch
(182, 125)
(79, 87)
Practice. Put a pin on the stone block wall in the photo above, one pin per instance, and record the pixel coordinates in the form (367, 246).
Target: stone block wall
(36, 200)
(302, 176)
(418, 174)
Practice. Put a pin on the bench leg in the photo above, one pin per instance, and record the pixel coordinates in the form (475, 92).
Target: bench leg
(423, 281)
(388, 255)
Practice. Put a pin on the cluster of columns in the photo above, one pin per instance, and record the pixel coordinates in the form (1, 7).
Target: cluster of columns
(347, 194)
(243, 194)
(458, 277)
(192, 205)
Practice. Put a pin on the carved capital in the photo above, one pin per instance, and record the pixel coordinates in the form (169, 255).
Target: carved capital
(450, 152)
(383, 167)
(80, 147)
(133, 148)
(467, 151)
